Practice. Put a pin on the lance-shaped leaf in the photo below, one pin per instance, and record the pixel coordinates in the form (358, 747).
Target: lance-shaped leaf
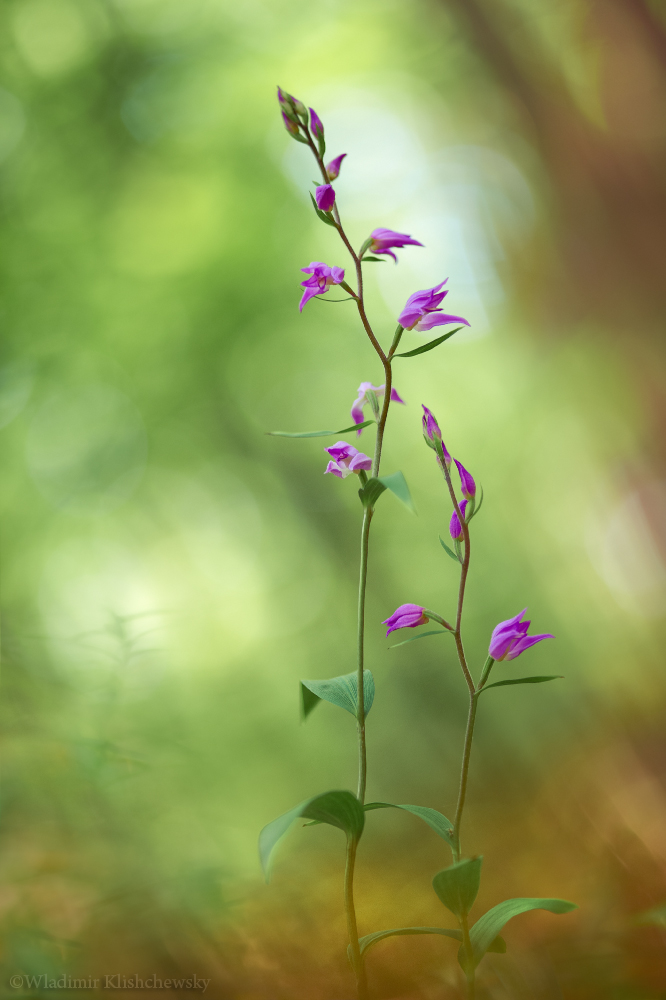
(421, 635)
(340, 691)
(320, 434)
(498, 945)
(368, 940)
(375, 260)
(540, 679)
(437, 821)
(429, 346)
(486, 929)
(448, 551)
(397, 484)
(458, 885)
(337, 808)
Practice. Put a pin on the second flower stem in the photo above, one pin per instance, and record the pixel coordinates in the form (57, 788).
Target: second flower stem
(464, 771)
(360, 716)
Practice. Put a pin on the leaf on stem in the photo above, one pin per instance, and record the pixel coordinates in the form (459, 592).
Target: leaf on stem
(319, 434)
(486, 929)
(477, 507)
(338, 808)
(324, 216)
(428, 347)
(367, 941)
(442, 826)
(371, 492)
(341, 691)
(397, 484)
(423, 635)
(458, 885)
(524, 680)
(375, 260)
(448, 551)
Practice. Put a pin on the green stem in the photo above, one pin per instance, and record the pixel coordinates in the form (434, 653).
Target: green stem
(467, 949)
(357, 960)
(462, 792)
(359, 969)
(360, 717)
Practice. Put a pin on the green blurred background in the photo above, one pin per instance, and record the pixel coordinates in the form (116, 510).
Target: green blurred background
(169, 572)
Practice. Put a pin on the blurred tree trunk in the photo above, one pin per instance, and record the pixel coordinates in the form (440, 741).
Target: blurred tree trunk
(608, 184)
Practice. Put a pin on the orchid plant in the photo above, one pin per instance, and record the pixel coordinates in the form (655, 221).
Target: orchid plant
(456, 885)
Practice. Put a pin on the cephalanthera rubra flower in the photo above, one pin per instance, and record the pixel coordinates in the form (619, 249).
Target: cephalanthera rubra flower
(322, 277)
(359, 403)
(383, 241)
(346, 459)
(510, 638)
(422, 310)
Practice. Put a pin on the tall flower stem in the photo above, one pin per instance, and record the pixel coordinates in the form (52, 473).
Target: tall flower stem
(360, 718)
(471, 715)
(464, 771)
(357, 960)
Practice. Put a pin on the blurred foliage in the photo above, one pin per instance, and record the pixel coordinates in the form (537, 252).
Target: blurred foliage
(169, 572)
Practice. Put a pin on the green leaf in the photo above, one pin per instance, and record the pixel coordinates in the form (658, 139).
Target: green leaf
(477, 507)
(458, 885)
(371, 492)
(448, 551)
(524, 680)
(368, 940)
(442, 826)
(320, 434)
(337, 808)
(427, 347)
(324, 216)
(486, 929)
(340, 691)
(397, 484)
(498, 945)
(422, 635)
(375, 260)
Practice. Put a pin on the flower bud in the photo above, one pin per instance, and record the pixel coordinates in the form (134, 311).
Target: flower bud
(325, 197)
(333, 168)
(299, 108)
(406, 616)
(286, 105)
(455, 527)
(316, 124)
(290, 124)
(467, 484)
(433, 436)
